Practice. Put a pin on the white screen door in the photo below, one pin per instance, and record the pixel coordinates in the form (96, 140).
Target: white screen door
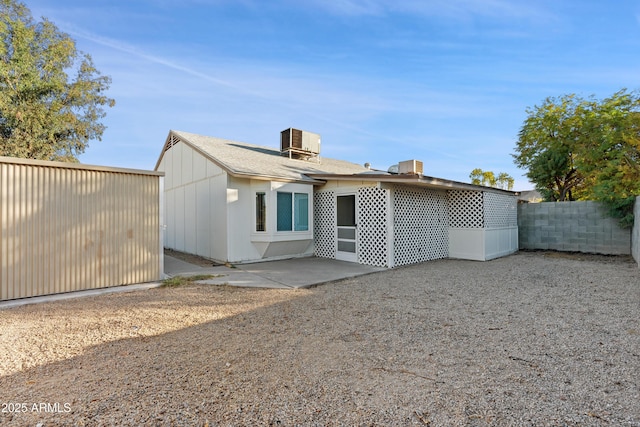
(346, 249)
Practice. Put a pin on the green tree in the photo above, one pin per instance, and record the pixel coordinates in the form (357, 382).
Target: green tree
(44, 112)
(548, 144)
(588, 149)
(488, 178)
(505, 181)
(610, 155)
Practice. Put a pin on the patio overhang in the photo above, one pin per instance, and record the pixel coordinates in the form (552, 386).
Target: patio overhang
(416, 180)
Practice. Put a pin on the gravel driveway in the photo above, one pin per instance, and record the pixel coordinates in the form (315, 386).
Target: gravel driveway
(530, 339)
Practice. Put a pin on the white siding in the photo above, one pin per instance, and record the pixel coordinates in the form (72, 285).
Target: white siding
(199, 167)
(467, 243)
(203, 218)
(501, 225)
(482, 226)
(190, 216)
(240, 220)
(186, 170)
(195, 212)
(180, 220)
(218, 213)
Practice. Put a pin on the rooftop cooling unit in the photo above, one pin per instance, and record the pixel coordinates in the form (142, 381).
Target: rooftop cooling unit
(410, 167)
(299, 144)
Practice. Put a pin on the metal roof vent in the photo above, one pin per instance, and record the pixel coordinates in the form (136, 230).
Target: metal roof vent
(410, 167)
(300, 144)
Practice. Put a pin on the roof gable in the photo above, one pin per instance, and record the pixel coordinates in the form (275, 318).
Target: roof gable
(251, 161)
(254, 161)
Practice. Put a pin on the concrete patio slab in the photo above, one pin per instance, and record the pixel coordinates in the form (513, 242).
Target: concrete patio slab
(290, 273)
(285, 274)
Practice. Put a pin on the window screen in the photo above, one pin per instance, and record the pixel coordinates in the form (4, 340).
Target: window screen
(293, 211)
(285, 212)
(347, 210)
(301, 211)
(261, 212)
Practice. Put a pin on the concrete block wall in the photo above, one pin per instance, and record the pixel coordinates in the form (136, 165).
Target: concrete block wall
(635, 235)
(571, 226)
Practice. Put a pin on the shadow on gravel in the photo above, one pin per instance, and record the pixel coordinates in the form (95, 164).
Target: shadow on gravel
(529, 339)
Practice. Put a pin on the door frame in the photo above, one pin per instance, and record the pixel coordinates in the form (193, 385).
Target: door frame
(347, 229)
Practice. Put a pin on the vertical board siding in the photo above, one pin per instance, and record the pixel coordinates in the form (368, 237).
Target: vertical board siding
(74, 228)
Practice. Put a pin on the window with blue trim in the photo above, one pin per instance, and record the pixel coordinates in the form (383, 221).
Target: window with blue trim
(292, 211)
(301, 212)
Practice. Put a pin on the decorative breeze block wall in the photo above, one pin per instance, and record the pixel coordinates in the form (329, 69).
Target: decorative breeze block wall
(324, 214)
(420, 221)
(373, 220)
(466, 209)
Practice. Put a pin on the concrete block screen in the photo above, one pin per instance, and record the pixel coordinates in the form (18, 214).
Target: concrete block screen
(571, 226)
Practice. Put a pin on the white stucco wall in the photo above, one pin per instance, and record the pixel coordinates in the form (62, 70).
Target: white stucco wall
(244, 243)
(240, 220)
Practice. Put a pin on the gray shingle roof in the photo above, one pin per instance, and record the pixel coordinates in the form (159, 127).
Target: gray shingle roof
(240, 158)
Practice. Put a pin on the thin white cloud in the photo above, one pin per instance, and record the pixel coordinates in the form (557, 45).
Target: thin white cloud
(272, 87)
(340, 101)
(354, 7)
(311, 98)
(127, 48)
(501, 9)
(453, 9)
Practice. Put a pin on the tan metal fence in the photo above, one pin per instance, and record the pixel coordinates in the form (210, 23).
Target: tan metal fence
(69, 227)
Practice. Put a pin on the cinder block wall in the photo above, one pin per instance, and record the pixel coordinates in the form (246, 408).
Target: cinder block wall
(571, 226)
(635, 238)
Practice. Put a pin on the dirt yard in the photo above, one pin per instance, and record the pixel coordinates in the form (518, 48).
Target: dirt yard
(530, 339)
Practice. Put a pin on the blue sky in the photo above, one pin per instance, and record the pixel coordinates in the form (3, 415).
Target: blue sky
(442, 81)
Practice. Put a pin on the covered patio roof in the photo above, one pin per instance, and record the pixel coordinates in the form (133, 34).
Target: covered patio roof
(417, 180)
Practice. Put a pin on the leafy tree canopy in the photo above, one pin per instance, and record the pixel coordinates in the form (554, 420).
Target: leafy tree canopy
(547, 146)
(610, 156)
(575, 148)
(45, 113)
(489, 179)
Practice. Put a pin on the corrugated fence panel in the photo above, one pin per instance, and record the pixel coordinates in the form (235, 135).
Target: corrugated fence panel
(69, 227)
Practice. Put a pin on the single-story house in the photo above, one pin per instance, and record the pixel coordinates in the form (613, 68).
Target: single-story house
(235, 202)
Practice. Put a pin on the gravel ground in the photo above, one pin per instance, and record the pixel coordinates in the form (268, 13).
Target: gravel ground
(530, 339)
